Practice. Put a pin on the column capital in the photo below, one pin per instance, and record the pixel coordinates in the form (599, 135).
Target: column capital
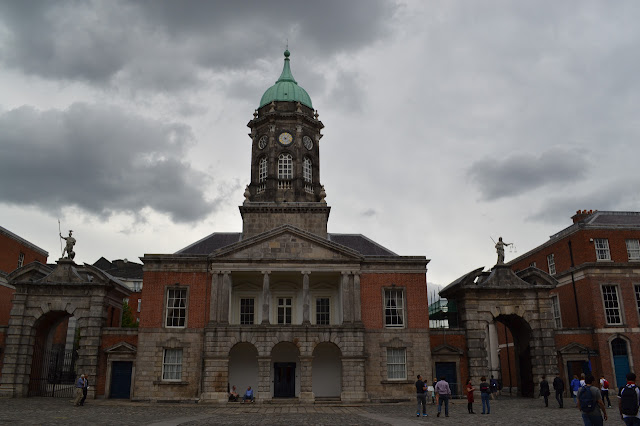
(265, 272)
(305, 272)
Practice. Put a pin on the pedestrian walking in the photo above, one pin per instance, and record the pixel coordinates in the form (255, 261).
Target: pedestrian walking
(575, 386)
(485, 392)
(590, 403)
(444, 393)
(558, 386)
(493, 384)
(421, 395)
(79, 386)
(629, 401)
(544, 390)
(85, 389)
(469, 389)
(434, 395)
(604, 390)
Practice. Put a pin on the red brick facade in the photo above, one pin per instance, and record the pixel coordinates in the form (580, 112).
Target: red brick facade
(11, 246)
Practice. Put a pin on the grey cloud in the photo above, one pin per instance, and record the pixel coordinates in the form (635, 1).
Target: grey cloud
(168, 45)
(369, 213)
(101, 160)
(519, 173)
(619, 194)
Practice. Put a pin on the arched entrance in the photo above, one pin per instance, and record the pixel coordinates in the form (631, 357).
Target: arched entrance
(620, 354)
(492, 302)
(515, 342)
(326, 371)
(285, 357)
(243, 368)
(55, 354)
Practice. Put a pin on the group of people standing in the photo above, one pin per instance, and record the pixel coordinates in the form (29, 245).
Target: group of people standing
(441, 393)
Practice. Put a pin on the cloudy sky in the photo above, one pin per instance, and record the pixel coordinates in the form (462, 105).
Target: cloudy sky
(447, 122)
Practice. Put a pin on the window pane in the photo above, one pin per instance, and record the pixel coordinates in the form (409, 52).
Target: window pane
(172, 364)
(633, 249)
(285, 166)
(552, 264)
(602, 249)
(262, 170)
(306, 169)
(322, 311)
(394, 308)
(611, 304)
(247, 310)
(556, 311)
(284, 310)
(176, 307)
(396, 363)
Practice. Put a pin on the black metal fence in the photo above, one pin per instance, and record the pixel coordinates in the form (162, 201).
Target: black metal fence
(53, 373)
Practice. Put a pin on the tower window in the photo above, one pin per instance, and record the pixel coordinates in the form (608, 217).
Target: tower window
(306, 170)
(262, 170)
(285, 167)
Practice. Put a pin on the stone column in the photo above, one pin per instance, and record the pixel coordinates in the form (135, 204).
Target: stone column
(306, 380)
(353, 379)
(225, 294)
(305, 298)
(357, 300)
(494, 360)
(264, 379)
(18, 351)
(477, 349)
(347, 311)
(266, 297)
(213, 303)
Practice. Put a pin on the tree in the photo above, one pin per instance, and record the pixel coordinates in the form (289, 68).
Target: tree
(128, 321)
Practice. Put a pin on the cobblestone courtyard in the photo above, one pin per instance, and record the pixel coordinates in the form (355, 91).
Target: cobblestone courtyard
(57, 411)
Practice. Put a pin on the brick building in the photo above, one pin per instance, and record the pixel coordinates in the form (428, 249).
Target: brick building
(596, 302)
(283, 306)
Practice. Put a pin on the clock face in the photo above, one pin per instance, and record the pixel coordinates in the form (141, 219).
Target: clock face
(285, 138)
(263, 142)
(308, 143)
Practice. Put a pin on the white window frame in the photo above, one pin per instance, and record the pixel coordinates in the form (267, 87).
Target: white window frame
(255, 305)
(533, 264)
(557, 317)
(551, 263)
(633, 249)
(285, 167)
(172, 364)
(307, 170)
(276, 309)
(170, 299)
(263, 170)
(602, 249)
(396, 363)
(315, 309)
(139, 305)
(393, 303)
(20, 260)
(611, 304)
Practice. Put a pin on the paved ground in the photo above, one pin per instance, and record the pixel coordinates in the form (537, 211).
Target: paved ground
(57, 411)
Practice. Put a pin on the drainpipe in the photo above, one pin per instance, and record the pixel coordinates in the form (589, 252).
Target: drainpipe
(573, 283)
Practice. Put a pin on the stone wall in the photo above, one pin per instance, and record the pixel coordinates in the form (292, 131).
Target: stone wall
(310, 217)
(149, 385)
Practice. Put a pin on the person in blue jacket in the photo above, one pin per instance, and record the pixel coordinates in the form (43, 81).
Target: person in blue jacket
(575, 386)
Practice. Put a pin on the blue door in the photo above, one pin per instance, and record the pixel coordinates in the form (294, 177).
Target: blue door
(620, 360)
(448, 371)
(121, 379)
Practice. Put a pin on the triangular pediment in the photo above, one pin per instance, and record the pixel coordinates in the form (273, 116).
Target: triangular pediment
(121, 348)
(286, 243)
(577, 349)
(446, 350)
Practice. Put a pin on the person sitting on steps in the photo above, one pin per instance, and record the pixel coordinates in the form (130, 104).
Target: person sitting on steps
(248, 396)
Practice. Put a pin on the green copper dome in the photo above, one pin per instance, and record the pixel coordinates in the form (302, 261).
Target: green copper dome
(286, 88)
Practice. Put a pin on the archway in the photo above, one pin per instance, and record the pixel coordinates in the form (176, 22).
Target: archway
(55, 354)
(243, 367)
(285, 357)
(620, 353)
(514, 340)
(326, 371)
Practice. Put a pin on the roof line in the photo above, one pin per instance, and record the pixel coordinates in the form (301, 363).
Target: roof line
(23, 241)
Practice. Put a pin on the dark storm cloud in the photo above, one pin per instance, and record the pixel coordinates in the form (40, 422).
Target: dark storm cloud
(101, 160)
(519, 173)
(168, 45)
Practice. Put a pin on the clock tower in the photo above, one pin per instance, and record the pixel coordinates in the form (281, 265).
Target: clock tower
(285, 162)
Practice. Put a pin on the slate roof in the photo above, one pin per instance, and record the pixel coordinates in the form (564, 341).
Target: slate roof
(218, 240)
(120, 268)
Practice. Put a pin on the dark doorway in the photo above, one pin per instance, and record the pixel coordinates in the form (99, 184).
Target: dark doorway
(284, 379)
(121, 379)
(521, 333)
(448, 371)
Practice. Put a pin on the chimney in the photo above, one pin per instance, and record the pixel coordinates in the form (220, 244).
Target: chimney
(581, 215)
